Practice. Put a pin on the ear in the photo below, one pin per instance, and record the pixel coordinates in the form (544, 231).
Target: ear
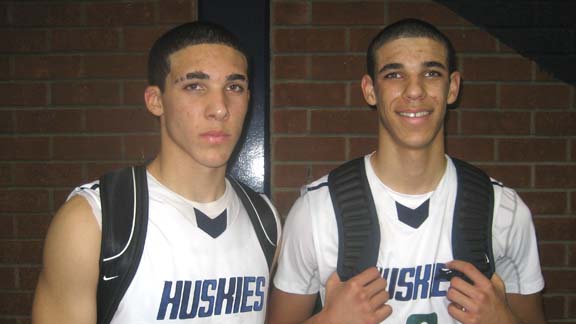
(454, 87)
(153, 99)
(368, 90)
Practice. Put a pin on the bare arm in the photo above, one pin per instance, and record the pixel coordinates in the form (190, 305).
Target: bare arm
(528, 308)
(66, 290)
(362, 299)
(287, 308)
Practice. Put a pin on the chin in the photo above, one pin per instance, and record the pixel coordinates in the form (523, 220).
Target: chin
(215, 162)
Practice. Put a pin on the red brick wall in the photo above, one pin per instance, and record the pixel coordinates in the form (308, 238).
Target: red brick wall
(71, 81)
(514, 121)
(72, 75)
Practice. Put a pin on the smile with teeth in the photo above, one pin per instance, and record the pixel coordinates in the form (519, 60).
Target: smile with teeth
(414, 114)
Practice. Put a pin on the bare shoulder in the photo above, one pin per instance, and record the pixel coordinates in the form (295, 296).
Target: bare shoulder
(66, 288)
(72, 242)
(73, 235)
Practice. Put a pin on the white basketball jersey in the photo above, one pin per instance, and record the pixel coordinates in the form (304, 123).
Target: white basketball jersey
(409, 258)
(185, 274)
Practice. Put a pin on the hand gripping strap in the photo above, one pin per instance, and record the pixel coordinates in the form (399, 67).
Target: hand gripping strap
(356, 217)
(473, 213)
(261, 216)
(124, 199)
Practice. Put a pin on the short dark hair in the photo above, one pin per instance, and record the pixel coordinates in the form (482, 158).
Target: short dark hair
(407, 28)
(179, 37)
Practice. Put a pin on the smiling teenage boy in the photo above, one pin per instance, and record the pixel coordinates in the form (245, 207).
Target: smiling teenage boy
(411, 79)
(202, 261)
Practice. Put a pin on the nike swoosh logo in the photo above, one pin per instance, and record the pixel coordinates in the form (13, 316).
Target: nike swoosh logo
(105, 278)
(487, 258)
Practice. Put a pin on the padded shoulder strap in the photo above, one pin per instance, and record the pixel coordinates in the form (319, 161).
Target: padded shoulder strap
(124, 199)
(358, 227)
(261, 216)
(473, 213)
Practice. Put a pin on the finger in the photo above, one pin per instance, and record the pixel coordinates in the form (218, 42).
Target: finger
(463, 287)
(383, 313)
(376, 286)
(379, 299)
(469, 270)
(333, 280)
(460, 299)
(499, 285)
(457, 312)
(367, 276)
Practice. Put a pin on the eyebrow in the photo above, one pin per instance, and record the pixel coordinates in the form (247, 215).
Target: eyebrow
(390, 66)
(435, 64)
(236, 77)
(193, 75)
(199, 75)
(398, 66)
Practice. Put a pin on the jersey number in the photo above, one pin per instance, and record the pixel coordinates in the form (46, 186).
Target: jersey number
(423, 319)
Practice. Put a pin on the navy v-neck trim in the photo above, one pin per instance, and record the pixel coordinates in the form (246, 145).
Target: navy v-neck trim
(413, 217)
(212, 226)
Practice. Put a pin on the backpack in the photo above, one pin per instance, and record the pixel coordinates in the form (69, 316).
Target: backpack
(359, 230)
(124, 199)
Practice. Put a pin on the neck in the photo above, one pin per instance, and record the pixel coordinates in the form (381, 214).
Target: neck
(410, 171)
(189, 179)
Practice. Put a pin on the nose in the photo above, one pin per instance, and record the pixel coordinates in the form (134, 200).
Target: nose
(217, 107)
(414, 89)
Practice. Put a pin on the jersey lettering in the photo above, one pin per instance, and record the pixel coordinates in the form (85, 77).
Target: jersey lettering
(420, 282)
(211, 297)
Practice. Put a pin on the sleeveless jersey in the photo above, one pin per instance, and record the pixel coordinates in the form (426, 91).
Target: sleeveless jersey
(409, 258)
(185, 273)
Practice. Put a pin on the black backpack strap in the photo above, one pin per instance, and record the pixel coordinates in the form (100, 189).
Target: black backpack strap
(124, 199)
(356, 217)
(359, 231)
(261, 216)
(473, 213)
